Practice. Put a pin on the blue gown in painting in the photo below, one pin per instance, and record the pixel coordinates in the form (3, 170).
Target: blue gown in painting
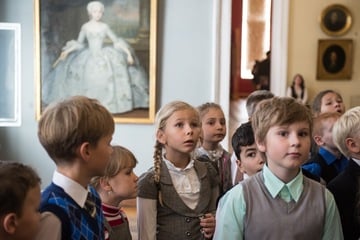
(110, 73)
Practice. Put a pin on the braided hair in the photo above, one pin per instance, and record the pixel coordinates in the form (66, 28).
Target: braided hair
(160, 122)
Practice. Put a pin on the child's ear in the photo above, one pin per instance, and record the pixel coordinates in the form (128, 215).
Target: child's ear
(84, 150)
(352, 145)
(161, 137)
(9, 223)
(261, 146)
(104, 184)
(240, 166)
(318, 140)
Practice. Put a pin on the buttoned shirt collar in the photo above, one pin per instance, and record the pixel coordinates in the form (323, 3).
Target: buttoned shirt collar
(77, 192)
(275, 185)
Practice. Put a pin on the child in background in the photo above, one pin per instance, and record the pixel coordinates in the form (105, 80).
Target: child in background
(118, 183)
(177, 197)
(213, 124)
(249, 159)
(304, 209)
(328, 162)
(76, 133)
(19, 201)
(346, 186)
(328, 101)
(252, 100)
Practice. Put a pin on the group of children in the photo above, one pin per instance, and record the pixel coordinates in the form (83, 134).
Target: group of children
(190, 192)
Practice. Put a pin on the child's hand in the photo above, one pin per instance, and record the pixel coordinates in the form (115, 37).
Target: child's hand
(207, 223)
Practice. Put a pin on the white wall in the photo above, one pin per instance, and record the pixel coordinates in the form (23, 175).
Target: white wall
(188, 48)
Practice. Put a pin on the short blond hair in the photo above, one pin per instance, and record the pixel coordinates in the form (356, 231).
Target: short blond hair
(67, 124)
(121, 158)
(346, 126)
(278, 111)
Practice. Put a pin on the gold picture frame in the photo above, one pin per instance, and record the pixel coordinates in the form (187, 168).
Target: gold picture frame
(112, 60)
(336, 20)
(334, 60)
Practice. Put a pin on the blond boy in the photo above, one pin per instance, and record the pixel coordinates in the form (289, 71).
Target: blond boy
(76, 133)
(279, 202)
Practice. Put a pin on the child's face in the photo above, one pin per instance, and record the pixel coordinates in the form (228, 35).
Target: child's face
(124, 184)
(181, 132)
(250, 161)
(332, 102)
(326, 140)
(213, 126)
(28, 222)
(100, 155)
(286, 148)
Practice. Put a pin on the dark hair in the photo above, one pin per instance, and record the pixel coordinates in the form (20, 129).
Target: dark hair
(316, 105)
(243, 136)
(302, 85)
(16, 181)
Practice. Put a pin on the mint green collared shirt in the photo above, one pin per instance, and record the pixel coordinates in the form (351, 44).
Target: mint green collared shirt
(230, 214)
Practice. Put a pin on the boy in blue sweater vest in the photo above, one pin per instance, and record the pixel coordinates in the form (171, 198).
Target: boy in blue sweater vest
(279, 202)
(76, 133)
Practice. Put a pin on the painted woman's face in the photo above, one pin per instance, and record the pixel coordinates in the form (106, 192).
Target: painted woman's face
(96, 13)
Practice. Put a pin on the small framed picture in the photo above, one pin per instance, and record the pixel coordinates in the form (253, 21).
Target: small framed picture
(335, 20)
(334, 61)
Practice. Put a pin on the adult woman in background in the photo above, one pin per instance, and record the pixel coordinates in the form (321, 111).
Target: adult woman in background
(297, 89)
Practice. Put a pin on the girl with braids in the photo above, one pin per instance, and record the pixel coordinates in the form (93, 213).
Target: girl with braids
(177, 197)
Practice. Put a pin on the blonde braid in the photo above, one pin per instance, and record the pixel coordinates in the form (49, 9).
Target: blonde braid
(157, 168)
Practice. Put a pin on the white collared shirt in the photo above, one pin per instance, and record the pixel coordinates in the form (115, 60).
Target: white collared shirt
(186, 182)
(72, 188)
(50, 224)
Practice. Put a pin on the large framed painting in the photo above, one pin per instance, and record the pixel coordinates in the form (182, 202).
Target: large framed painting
(101, 49)
(334, 60)
(10, 79)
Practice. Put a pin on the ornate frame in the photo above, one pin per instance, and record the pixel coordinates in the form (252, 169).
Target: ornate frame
(73, 14)
(336, 20)
(334, 59)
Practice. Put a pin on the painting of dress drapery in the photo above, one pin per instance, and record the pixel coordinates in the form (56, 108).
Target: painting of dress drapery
(111, 58)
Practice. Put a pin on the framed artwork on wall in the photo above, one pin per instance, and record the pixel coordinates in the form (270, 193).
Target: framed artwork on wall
(334, 60)
(101, 49)
(335, 20)
(10, 79)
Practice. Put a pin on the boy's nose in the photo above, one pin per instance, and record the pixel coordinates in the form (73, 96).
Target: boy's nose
(295, 140)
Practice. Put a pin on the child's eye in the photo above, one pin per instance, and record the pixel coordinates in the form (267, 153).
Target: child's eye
(210, 122)
(303, 134)
(283, 133)
(251, 154)
(194, 124)
(179, 124)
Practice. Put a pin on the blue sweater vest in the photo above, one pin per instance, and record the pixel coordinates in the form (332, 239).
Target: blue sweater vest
(76, 223)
